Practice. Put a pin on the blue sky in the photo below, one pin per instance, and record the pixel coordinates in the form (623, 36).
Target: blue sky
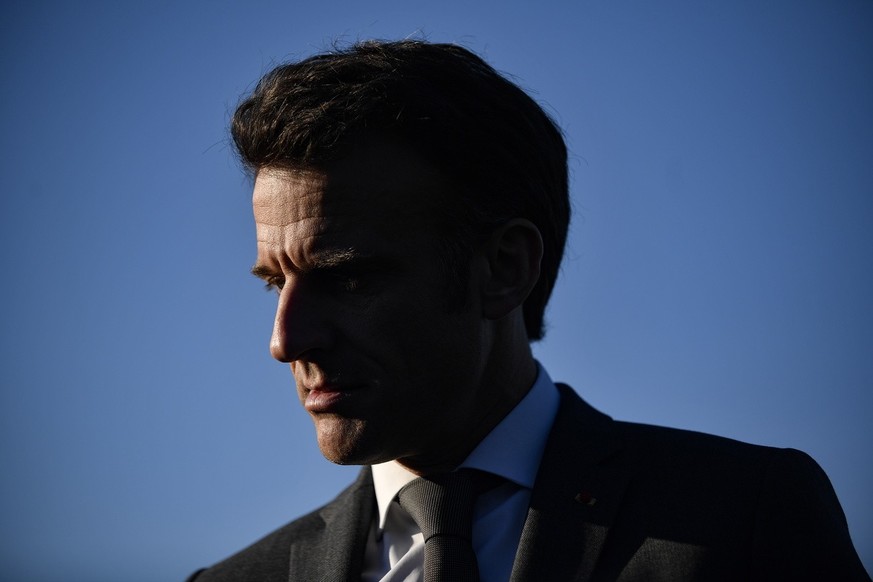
(719, 275)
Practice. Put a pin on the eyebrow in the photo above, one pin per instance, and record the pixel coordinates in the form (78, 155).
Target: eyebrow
(262, 272)
(325, 260)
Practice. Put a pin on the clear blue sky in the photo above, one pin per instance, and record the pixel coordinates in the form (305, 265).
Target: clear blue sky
(719, 277)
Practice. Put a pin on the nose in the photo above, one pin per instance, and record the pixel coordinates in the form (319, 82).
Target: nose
(301, 323)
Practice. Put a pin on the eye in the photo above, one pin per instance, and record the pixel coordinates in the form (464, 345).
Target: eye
(275, 284)
(346, 282)
(340, 280)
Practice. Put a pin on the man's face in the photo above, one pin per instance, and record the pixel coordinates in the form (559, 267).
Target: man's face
(383, 366)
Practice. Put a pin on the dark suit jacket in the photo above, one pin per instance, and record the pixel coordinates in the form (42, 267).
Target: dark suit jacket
(615, 501)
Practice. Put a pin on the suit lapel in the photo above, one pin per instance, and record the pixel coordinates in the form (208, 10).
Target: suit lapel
(336, 551)
(575, 497)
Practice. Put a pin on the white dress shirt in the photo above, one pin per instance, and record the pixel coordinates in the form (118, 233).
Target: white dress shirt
(513, 449)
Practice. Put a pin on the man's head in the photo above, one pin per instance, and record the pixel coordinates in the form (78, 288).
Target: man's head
(499, 152)
(405, 200)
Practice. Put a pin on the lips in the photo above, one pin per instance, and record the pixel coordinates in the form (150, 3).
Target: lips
(326, 399)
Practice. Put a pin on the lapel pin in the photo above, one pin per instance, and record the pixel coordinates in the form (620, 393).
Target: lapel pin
(586, 498)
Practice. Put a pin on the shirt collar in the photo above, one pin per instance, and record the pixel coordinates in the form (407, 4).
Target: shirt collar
(512, 449)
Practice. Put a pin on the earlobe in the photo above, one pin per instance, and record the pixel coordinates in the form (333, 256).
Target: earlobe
(513, 254)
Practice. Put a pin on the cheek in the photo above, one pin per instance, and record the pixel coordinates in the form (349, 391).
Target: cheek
(389, 322)
(410, 326)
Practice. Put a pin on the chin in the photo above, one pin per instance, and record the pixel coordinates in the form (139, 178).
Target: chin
(347, 442)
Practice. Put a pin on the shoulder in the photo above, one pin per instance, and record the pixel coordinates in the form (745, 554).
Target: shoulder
(747, 479)
(774, 506)
(265, 559)
(676, 451)
(773, 509)
(269, 558)
(679, 448)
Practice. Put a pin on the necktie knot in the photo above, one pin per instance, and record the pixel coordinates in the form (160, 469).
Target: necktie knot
(441, 504)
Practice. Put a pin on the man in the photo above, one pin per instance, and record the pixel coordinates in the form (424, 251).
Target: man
(411, 209)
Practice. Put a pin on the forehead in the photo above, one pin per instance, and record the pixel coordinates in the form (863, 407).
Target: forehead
(378, 181)
(377, 189)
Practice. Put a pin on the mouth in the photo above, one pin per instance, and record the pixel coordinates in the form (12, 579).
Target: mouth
(324, 399)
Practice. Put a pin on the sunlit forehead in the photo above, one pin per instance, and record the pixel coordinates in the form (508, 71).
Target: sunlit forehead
(283, 197)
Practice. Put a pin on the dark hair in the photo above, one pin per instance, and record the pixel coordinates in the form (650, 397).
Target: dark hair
(502, 154)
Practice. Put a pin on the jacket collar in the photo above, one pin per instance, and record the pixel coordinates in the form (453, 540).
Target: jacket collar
(575, 498)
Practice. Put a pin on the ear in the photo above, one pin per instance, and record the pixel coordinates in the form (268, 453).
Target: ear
(513, 255)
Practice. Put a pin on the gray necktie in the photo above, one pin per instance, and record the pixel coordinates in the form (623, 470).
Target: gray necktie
(442, 507)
